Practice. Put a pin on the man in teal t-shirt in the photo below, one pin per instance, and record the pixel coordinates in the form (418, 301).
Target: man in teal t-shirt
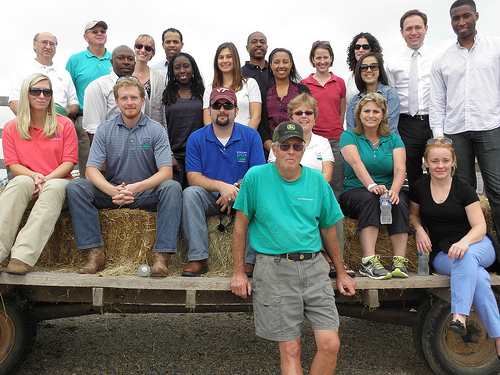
(287, 208)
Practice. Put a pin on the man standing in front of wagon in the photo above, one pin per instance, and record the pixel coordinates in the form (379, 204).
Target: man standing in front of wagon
(290, 279)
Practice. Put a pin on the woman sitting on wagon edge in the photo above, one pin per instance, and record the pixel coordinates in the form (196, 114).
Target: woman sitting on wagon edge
(41, 149)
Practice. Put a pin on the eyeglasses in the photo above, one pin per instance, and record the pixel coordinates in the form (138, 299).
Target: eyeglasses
(296, 147)
(227, 106)
(373, 67)
(46, 43)
(95, 31)
(364, 46)
(36, 92)
(443, 141)
(146, 47)
(300, 113)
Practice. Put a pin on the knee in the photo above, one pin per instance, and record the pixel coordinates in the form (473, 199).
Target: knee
(56, 187)
(191, 196)
(329, 347)
(170, 187)
(76, 187)
(290, 349)
(24, 182)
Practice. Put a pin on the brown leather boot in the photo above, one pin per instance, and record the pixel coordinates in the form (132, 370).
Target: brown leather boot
(96, 260)
(195, 268)
(17, 267)
(160, 264)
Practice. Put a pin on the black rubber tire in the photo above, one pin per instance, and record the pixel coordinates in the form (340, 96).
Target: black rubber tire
(447, 353)
(422, 311)
(17, 334)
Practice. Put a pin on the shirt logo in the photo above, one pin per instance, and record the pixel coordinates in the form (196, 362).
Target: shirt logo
(241, 156)
(56, 136)
(146, 143)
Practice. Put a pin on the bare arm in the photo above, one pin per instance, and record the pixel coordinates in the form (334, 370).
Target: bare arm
(327, 170)
(207, 120)
(14, 105)
(422, 239)
(351, 156)
(255, 114)
(226, 190)
(399, 166)
(342, 109)
(240, 285)
(476, 234)
(72, 110)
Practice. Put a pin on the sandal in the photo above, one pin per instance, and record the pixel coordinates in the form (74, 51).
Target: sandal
(349, 270)
(333, 271)
(458, 327)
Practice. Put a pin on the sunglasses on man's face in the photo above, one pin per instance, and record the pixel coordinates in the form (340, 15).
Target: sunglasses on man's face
(146, 47)
(36, 92)
(227, 106)
(372, 66)
(364, 46)
(95, 31)
(296, 146)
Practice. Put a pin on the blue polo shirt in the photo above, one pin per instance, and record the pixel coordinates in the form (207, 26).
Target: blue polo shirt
(131, 154)
(84, 67)
(206, 154)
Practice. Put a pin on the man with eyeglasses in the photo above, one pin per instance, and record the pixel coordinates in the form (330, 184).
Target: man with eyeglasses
(99, 100)
(257, 66)
(465, 101)
(409, 73)
(65, 99)
(217, 157)
(286, 209)
(136, 152)
(84, 67)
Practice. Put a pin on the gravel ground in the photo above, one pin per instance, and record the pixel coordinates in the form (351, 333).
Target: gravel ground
(212, 343)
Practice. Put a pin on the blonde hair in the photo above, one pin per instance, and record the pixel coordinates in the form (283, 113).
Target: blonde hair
(302, 99)
(148, 39)
(23, 120)
(447, 146)
(378, 99)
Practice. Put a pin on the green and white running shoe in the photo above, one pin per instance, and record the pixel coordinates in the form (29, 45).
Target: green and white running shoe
(399, 266)
(374, 269)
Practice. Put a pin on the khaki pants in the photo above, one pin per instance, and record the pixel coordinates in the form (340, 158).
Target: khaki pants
(45, 211)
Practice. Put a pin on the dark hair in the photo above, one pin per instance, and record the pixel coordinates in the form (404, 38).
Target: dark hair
(294, 75)
(459, 3)
(170, 93)
(320, 44)
(413, 12)
(255, 32)
(382, 77)
(171, 29)
(238, 78)
(372, 41)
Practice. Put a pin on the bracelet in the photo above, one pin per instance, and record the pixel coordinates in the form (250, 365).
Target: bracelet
(369, 187)
(34, 174)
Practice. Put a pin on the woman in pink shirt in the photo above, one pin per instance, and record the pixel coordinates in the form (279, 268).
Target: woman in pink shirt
(41, 149)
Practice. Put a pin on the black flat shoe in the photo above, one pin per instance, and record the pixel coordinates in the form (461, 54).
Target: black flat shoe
(458, 327)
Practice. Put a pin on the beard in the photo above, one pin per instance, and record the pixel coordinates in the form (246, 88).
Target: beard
(222, 122)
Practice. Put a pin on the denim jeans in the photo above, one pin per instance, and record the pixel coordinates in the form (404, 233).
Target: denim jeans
(471, 284)
(197, 204)
(84, 199)
(485, 146)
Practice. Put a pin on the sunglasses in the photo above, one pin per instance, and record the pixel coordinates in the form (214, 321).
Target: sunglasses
(146, 47)
(300, 113)
(227, 106)
(94, 31)
(443, 141)
(373, 67)
(364, 46)
(36, 92)
(296, 146)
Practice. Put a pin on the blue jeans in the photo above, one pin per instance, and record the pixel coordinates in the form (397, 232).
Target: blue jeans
(471, 284)
(485, 146)
(84, 199)
(197, 204)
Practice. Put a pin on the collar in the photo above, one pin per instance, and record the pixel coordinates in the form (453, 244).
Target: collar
(91, 55)
(113, 76)
(381, 140)
(142, 121)
(477, 38)
(422, 50)
(236, 135)
(252, 66)
(38, 64)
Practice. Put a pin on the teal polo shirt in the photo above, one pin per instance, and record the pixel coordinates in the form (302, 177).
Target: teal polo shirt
(84, 67)
(378, 162)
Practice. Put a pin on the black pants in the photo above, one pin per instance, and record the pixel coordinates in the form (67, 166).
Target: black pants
(415, 132)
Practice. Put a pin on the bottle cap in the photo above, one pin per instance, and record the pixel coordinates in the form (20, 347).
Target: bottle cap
(143, 270)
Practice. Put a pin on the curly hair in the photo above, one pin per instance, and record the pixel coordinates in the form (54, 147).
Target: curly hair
(372, 41)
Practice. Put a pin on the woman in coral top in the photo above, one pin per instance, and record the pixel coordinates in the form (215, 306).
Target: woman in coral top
(41, 149)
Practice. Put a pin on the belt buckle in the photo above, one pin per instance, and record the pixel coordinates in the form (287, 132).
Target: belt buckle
(290, 260)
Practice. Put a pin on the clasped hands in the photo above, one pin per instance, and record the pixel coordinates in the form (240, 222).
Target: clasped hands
(124, 194)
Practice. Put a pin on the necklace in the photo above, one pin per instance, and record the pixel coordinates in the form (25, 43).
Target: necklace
(376, 143)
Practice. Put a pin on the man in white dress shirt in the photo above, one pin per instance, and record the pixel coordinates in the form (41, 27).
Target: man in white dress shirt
(171, 41)
(409, 73)
(44, 45)
(465, 101)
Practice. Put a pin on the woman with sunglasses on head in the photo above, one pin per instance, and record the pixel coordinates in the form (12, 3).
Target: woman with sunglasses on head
(227, 73)
(303, 109)
(179, 108)
(370, 77)
(41, 149)
(375, 163)
(457, 241)
(360, 45)
(152, 79)
(282, 86)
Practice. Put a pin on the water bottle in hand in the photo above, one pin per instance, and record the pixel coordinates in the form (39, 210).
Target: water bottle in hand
(385, 209)
(423, 264)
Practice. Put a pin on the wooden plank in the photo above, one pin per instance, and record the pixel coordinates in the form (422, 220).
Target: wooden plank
(98, 297)
(370, 298)
(4, 101)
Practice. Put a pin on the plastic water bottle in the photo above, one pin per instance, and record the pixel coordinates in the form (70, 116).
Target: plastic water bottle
(143, 270)
(385, 209)
(423, 264)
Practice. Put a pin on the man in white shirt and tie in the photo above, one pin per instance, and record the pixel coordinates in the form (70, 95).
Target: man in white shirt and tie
(465, 101)
(409, 73)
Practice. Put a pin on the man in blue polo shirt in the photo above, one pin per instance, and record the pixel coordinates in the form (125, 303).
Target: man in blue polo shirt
(84, 67)
(138, 175)
(217, 156)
